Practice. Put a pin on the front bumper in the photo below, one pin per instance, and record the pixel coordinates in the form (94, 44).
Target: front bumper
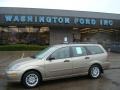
(13, 76)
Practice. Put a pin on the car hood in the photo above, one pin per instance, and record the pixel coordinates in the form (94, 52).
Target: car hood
(23, 61)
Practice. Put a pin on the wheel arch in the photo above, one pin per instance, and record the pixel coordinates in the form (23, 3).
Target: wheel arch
(32, 70)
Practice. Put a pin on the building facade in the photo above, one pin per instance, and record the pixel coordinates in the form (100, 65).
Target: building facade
(47, 26)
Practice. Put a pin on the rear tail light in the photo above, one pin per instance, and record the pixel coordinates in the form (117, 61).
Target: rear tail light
(108, 56)
(108, 50)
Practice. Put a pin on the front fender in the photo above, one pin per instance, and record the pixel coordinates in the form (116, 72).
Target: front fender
(33, 67)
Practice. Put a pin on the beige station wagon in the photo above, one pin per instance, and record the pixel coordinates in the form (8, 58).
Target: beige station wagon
(59, 61)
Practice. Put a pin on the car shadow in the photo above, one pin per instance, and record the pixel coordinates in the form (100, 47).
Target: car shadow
(49, 84)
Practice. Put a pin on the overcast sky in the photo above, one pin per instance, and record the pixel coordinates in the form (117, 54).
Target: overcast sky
(108, 6)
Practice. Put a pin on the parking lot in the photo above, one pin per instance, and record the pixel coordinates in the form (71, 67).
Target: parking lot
(110, 80)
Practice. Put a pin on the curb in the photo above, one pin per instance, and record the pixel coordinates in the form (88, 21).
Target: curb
(114, 68)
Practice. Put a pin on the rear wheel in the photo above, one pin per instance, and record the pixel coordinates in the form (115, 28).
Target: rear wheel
(95, 71)
(31, 79)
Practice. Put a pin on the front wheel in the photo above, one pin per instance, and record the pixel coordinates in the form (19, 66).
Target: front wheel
(31, 79)
(95, 71)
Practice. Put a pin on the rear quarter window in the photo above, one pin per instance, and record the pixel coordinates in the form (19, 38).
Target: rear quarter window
(94, 49)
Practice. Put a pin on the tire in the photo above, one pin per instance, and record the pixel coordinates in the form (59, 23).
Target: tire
(31, 79)
(94, 71)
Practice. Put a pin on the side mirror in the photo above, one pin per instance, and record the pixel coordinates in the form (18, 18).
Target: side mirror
(51, 58)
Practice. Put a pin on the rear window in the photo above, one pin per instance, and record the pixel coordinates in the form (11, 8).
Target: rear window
(94, 49)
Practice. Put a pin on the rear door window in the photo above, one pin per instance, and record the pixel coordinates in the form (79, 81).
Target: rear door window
(78, 51)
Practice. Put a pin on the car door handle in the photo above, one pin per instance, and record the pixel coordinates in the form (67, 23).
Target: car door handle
(87, 57)
(67, 61)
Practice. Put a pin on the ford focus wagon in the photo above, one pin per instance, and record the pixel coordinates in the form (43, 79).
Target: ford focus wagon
(59, 61)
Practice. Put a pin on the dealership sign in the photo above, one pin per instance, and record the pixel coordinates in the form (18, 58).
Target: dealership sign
(30, 19)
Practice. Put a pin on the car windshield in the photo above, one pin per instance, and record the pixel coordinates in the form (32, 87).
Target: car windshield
(41, 54)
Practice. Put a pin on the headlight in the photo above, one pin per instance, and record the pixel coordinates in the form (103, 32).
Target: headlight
(15, 67)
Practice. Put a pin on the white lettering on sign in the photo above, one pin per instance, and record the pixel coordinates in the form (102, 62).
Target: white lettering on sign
(57, 20)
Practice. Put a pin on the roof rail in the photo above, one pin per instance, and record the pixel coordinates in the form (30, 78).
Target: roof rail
(81, 43)
(77, 43)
